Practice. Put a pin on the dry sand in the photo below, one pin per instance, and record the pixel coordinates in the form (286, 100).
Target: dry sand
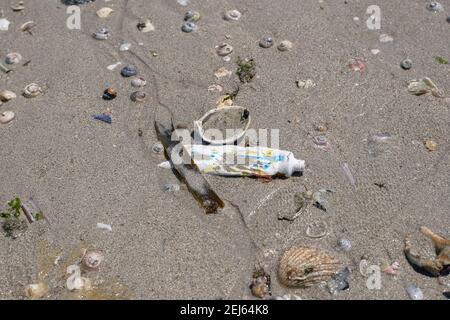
(162, 246)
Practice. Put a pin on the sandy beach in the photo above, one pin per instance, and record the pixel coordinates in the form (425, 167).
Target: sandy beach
(162, 245)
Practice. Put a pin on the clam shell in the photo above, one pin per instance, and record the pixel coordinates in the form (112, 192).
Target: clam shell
(232, 15)
(36, 290)
(129, 71)
(285, 45)
(192, 16)
(6, 116)
(138, 96)
(224, 49)
(32, 90)
(188, 27)
(266, 42)
(302, 267)
(13, 58)
(101, 34)
(92, 259)
(7, 95)
(104, 12)
(138, 82)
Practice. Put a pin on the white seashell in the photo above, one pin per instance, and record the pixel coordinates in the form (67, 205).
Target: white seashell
(6, 117)
(146, 26)
(125, 46)
(232, 15)
(4, 24)
(27, 26)
(93, 259)
(224, 49)
(13, 58)
(104, 12)
(111, 67)
(7, 95)
(285, 45)
(306, 84)
(104, 226)
(138, 82)
(32, 90)
(36, 290)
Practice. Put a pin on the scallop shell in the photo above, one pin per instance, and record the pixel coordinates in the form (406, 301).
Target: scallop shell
(92, 259)
(7, 95)
(188, 27)
(13, 58)
(32, 90)
(138, 82)
(192, 16)
(224, 49)
(266, 42)
(129, 71)
(138, 96)
(6, 116)
(36, 290)
(232, 15)
(302, 267)
(101, 34)
(285, 45)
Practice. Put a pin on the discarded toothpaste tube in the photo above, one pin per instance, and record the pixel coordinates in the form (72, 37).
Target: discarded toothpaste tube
(231, 160)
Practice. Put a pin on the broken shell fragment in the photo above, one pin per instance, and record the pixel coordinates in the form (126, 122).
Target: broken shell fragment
(224, 49)
(13, 58)
(306, 84)
(192, 16)
(146, 26)
(18, 7)
(302, 267)
(109, 94)
(431, 145)
(27, 26)
(317, 230)
(424, 86)
(36, 290)
(129, 71)
(138, 96)
(6, 116)
(285, 45)
(232, 15)
(266, 42)
(157, 147)
(92, 259)
(138, 82)
(7, 95)
(101, 34)
(32, 90)
(125, 46)
(4, 24)
(260, 286)
(222, 72)
(104, 12)
(188, 26)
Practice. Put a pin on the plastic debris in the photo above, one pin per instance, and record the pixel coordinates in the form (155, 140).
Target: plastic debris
(435, 6)
(348, 174)
(104, 226)
(424, 86)
(305, 84)
(339, 281)
(377, 144)
(344, 244)
(7, 95)
(4, 24)
(138, 82)
(4, 68)
(441, 60)
(285, 45)
(321, 142)
(406, 64)
(32, 90)
(375, 51)
(27, 26)
(431, 145)
(266, 42)
(76, 2)
(75, 281)
(287, 297)
(414, 292)
(103, 117)
(18, 7)
(317, 229)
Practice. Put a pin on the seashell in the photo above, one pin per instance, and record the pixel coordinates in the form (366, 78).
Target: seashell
(386, 38)
(32, 90)
(344, 244)
(102, 34)
(224, 49)
(27, 26)
(111, 67)
(138, 82)
(222, 72)
(260, 286)
(406, 64)
(129, 71)
(104, 12)
(109, 94)
(285, 45)
(138, 96)
(125, 46)
(192, 16)
(435, 6)
(6, 116)
(320, 141)
(188, 27)
(414, 292)
(431, 145)
(232, 15)
(13, 58)
(7, 95)
(266, 42)
(157, 147)
(92, 259)
(36, 290)
(306, 84)
(146, 26)
(317, 229)
(4, 24)
(423, 86)
(18, 7)
(303, 267)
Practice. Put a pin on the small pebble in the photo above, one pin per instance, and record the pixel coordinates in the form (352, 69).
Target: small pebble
(339, 281)
(129, 71)
(266, 42)
(138, 82)
(138, 96)
(406, 64)
(188, 27)
(344, 244)
(157, 147)
(232, 15)
(431, 145)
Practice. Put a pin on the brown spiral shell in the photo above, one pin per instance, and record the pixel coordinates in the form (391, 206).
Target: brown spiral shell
(302, 267)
